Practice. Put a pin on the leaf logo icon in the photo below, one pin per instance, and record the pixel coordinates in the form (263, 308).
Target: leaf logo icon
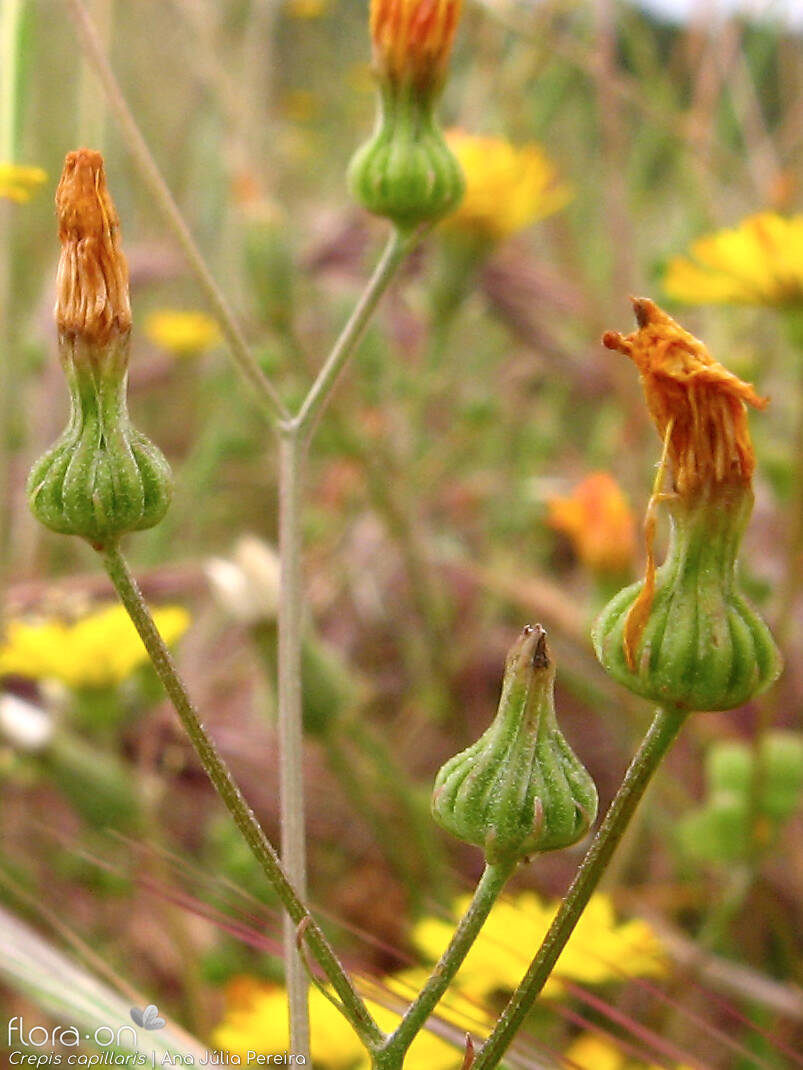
(149, 1018)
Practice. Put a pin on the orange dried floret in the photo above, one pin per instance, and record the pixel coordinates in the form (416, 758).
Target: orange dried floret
(92, 281)
(693, 399)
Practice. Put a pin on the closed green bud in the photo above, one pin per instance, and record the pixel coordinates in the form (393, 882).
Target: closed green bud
(702, 646)
(406, 172)
(520, 789)
(102, 478)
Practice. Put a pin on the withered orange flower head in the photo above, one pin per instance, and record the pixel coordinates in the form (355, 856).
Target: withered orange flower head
(413, 39)
(92, 298)
(697, 405)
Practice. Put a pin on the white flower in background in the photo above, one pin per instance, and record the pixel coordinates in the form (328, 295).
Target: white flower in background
(23, 725)
(246, 585)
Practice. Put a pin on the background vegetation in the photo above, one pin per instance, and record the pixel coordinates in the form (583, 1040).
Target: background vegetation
(427, 537)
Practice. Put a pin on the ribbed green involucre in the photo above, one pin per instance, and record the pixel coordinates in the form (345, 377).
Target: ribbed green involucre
(520, 789)
(102, 478)
(703, 646)
(406, 172)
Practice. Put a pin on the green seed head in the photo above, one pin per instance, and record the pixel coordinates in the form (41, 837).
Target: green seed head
(102, 478)
(520, 789)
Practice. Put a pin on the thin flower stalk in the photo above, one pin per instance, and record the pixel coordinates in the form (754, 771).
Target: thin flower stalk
(217, 771)
(488, 890)
(662, 733)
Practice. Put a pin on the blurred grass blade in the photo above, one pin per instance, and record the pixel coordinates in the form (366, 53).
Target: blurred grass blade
(73, 997)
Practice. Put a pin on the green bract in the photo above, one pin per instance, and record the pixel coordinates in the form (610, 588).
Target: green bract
(520, 789)
(703, 647)
(102, 478)
(406, 172)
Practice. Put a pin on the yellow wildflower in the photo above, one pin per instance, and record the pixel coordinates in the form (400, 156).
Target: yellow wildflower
(598, 521)
(306, 9)
(256, 1020)
(593, 1051)
(456, 1008)
(507, 187)
(300, 105)
(758, 262)
(185, 334)
(19, 183)
(599, 949)
(99, 650)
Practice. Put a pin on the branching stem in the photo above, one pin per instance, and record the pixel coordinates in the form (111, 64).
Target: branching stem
(656, 743)
(217, 771)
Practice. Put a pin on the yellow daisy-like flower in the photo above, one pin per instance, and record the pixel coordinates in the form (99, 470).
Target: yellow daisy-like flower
(507, 187)
(185, 334)
(256, 1022)
(306, 9)
(594, 1052)
(99, 650)
(599, 949)
(758, 262)
(19, 183)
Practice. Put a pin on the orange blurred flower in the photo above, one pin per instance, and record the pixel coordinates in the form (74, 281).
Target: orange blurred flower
(598, 521)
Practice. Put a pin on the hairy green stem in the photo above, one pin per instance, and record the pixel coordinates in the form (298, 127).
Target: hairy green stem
(398, 246)
(485, 895)
(656, 743)
(152, 177)
(294, 437)
(291, 733)
(218, 772)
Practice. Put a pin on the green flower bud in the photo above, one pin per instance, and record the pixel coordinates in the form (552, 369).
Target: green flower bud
(102, 478)
(702, 646)
(406, 172)
(520, 789)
